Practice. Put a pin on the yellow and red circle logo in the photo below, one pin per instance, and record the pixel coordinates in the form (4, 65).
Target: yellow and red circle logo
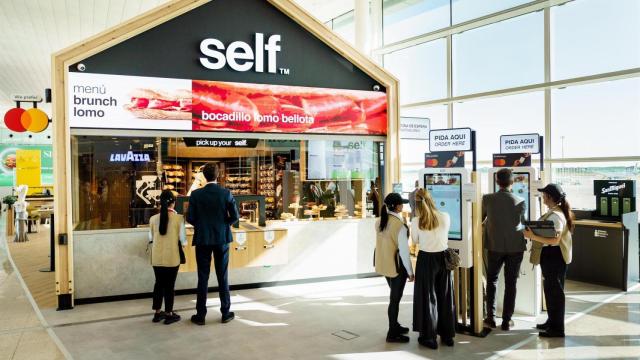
(21, 120)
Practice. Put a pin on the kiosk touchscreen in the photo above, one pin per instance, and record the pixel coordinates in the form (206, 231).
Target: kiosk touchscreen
(446, 188)
(521, 187)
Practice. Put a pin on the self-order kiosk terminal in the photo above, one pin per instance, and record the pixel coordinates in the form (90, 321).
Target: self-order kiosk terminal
(449, 193)
(525, 185)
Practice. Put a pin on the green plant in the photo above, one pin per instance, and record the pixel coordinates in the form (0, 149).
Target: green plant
(9, 200)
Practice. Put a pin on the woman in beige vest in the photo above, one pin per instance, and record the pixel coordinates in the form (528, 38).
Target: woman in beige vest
(166, 233)
(555, 255)
(392, 260)
(433, 306)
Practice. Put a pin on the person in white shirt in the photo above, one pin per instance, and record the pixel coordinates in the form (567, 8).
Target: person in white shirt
(392, 260)
(433, 306)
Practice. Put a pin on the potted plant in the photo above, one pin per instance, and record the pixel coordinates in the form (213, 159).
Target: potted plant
(9, 200)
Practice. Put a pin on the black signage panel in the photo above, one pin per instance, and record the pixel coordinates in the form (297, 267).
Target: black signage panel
(512, 160)
(444, 159)
(221, 143)
(614, 188)
(245, 41)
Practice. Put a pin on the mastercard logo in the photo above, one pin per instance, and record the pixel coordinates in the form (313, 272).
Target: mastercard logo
(432, 162)
(21, 120)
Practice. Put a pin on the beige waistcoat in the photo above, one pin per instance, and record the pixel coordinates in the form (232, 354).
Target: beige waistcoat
(164, 250)
(386, 256)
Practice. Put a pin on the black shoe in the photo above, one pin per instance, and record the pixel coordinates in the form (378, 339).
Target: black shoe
(398, 338)
(544, 326)
(431, 344)
(171, 318)
(447, 341)
(490, 322)
(197, 319)
(159, 316)
(228, 317)
(551, 334)
(402, 330)
(506, 325)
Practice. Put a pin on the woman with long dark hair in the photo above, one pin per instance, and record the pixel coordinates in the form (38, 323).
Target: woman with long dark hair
(433, 306)
(166, 233)
(392, 260)
(553, 254)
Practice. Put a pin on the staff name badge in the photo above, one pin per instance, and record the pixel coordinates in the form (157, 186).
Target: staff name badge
(523, 143)
(450, 140)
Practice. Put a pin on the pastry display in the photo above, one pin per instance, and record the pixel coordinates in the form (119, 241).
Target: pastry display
(266, 187)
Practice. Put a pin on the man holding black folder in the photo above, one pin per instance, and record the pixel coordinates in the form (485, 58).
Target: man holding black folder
(503, 214)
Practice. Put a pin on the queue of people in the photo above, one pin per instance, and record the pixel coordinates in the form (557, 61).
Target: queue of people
(212, 211)
(505, 243)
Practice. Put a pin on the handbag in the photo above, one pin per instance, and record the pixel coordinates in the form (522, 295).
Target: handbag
(183, 258)
(451, 259)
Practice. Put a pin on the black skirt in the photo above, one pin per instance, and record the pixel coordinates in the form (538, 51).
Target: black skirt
(433, 306)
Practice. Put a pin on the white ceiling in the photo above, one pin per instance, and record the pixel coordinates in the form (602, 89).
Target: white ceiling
(31, 30)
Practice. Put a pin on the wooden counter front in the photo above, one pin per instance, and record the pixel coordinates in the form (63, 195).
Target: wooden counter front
(263, 247)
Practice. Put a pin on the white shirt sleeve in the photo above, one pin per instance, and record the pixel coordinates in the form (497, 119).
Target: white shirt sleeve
(183, 234)
(150, 234)
(403, 248)
(415, 237)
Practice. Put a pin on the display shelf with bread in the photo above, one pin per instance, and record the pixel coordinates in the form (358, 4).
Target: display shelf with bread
(174, 177)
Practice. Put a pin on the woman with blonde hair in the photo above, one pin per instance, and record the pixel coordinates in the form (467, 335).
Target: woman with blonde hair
(433, 309)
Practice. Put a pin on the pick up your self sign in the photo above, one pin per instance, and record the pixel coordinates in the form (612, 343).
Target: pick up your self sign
(525, 143)
(450, 140)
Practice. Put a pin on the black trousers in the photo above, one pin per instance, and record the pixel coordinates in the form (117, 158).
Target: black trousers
(164, 287)
(396, 285)
(511, 262)
(433, 303)
(221, 263)
(554, 272)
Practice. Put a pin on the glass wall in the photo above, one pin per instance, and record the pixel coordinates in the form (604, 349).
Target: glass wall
(117, 181)
(422, 71)
(500, 47)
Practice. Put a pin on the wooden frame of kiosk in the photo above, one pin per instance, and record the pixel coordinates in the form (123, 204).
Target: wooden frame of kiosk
(123, 270)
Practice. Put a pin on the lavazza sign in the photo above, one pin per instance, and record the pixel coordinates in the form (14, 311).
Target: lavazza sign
(240, 56)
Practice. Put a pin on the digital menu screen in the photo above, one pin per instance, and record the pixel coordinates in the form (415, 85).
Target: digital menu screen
(446, 190)
(521, 188)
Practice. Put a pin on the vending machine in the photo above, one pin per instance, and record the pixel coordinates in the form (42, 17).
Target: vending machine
(447, 187)
(529, 293)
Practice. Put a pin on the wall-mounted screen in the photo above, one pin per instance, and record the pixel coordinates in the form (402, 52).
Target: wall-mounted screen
(446, 190)
(336, 160)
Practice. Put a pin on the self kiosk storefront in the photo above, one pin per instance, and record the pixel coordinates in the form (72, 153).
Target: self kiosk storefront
(299, 121)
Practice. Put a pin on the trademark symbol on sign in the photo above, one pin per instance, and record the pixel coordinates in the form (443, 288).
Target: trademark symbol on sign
(284, 71)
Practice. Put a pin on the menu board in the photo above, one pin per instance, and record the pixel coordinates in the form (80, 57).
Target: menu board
(446, 190)
(134, 102)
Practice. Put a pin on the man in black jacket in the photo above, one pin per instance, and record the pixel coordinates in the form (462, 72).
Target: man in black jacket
(212, 211)
(503, 214)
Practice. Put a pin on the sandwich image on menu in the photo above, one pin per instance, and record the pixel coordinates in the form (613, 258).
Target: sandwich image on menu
(159, 105)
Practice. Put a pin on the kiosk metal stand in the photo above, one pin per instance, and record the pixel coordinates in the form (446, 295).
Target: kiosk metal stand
(527, 181)
(453, 189)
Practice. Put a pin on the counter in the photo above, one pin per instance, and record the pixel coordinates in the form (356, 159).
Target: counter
(606, 253)
(114, 263)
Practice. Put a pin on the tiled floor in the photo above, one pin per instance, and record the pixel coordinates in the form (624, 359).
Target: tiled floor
(298, 322)
(22, 334)
(344, 320)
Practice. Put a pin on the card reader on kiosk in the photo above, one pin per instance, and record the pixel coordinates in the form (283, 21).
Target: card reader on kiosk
(446, 186)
